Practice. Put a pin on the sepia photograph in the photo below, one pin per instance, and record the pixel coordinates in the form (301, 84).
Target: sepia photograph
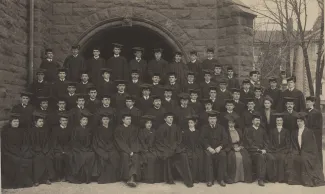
(162, 96)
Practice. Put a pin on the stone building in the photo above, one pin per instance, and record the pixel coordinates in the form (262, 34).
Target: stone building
(26, 31)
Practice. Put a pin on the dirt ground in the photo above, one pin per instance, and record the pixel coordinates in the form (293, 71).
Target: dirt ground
(161, 188)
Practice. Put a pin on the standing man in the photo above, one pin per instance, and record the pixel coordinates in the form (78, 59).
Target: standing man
(74, 64)
(118, 64)
(194, 65)
(138, 64)
(210, 62)
(94, 66)
(50, 66)
(179, 68)
(246, 91)
(253, 79)
(274, 92)
(157, 66)
(233, 81)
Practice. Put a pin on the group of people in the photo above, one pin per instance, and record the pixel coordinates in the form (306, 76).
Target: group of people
(108, 121)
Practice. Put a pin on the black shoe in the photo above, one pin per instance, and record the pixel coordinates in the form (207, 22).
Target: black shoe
(222, 183)
(171, 182)
(229, 181)
(209, 184)
(261, 183)
(36, 184)
(131, 183)
(189, 185)
(48, 182)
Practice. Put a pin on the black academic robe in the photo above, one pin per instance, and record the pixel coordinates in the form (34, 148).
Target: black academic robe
(304, 166)
(141, 66)
(118, 100)
(103, 109)
(106, 88)
(259, 103)
(275, 94)
(203, 118)
(40, 89)
(54, 118)
(94, 67)
(61, 145)
(51, 68)
(224, 122)
(26, 114)
(239, 107)
(40, 143)
(176, 89)
(135, 115)
(181, 113)
(82, 157)
(168, 139)
(159, 116)
(134, 89)
(214, 137)
(233, 83)
(187, 87)
(268, 124)
(169, 105)
(217, 104)
(315, 123)
(75, 116)
(59, 88)
(264, 164)
(290, 121)
(157, 90)
(196, 69)
(74, 66)
(205, 89)
(82, 88)
(92, 105)
(16, 161)
(155, 66)
(280, 147)
(120, 68)
(192, 144)
(197, 106)
(244, 95)
(71, 100)
(143, 104)
(127, 142)
(148, 155)
(222, 96)
(300, 104)
(180, 69)
(216, 78)
(209, 64)
(247, 117)
(232, 159)
(108, 159)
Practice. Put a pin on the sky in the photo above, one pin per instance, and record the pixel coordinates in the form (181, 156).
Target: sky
(260, 21)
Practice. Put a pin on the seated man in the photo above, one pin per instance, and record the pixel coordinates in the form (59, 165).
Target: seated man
(126, 137)
(168, 143)
(257, 144)
(214, 140)
(25, 109)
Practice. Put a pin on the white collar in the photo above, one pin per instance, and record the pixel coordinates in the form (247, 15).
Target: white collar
(116, 55)
(252, 82)
(193, 100)
(183, 106)
(301, 130)
(168, 99)
(230, 112)
(279, 128)
(172, 83)
(207, 82)
(236, 101)
(291, 89)
(40, 81)
(62, 80)
(130, 107)
(246, 91)
(156, 107)
(43, 108)
(105, 106)
(92, 99)
(85, 82)
(230, 77)
(169, 124)
(125, 125)
(210, 58)
(222, 90)
(135, 81)
(106, 80)
(61, 109)
(138, 59)
(75, 55)
(192, 129)
(96, 57)
(290, 111)
(146, 97)
(63, 127)
(193, 61)
(80, 107)
(311, 109)
(255, 127)
(190, 82)
(71, 94)
(155, 84)
(120, 92)
(272, 88)
(49, 60)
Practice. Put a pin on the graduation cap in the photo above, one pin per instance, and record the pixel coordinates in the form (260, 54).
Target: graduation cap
(217, 65)
(207, 71)
(43, 98)
(168, 88)
(283, 72)
(272, 79)
(106, 96)
(60, 99)
(48, 50)
(73, 84)
(213, 113)
(178, 53)
(145, 86)
(120, 82)
(256, 115)
(84, 72)
(105, 70)
(135, 49)
(190, 73)
(292, 78)
(311, 98)
(158, 50)
(130, 97)
(184, 96)
(213, 87)
(63, 115)
(246, 81)
(105, 114)
(301, 115)
(206, 101)
(14, 115)
(156, 97)
(233, 90)
(230, 68)
(289, 99)
(38, 114)
(168, 114)
(135, 71)
(126, 114)
(249, 100)
(194, 91)
(117, 45)
(85, 113)
(223, 81)
(81, 96)
(25, 93)
(192, 117)
(148, 117)
(257, 88)
(278, 115)
(253, 72)
(62, 69)
(267, 97)
(211, 50)
(171, 73)
(193, 52)
(156, 74)
(91, 87)
(231, 117)
(40, 71)
(96, 48)
(75, 47)
(229, 101)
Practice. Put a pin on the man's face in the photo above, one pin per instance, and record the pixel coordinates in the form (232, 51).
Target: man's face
(193, 57)
(309, 104)
(135, 76)
(212, 120)
(61, 105)
(63, 121)
(71, 89)
(158, 55)
(96, 53)
(217, 70)
(191, 123)
(105, 120)
(81, 102)
(84, 121)
(251, 105)
(156, 79)
(127, 120)
(273, 84)
(236, 95)
(157, 103)
(146, 92)
(190, 78)
(106, 101)
(194, 96)
(172, 79)
(254, 77)
(84, 77)
(230, 106)
(207, 77)
(178, 58)
(116, 51)
(208, 106)
(213, 93)
(169, 119)
(129, 103)
(49, 55)
(258, 93)
(230, 73)
(106, 75)
(184, 102)
(138, 54)
(291, 84)
(24, 100)
(290, 105)
(62, 75)
(256, 122)
(168, 94)
(223, 86)
(210, 54)
(148, 124)
(15, 123)
(40, 122)
(44, 104)
(267, 104)
(279, 121)
(246, 86)
(75, 51)
(121, 87)
(92, 94)
(40, 76)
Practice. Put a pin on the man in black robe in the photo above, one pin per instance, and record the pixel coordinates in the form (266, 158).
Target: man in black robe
(195, 66)
(126, 137)
(315, 123)
(204, 114)
(206, 84)
(60, 84)
(82, 86)
(118, 99)
(246, 91)
(168, 141)
(210, 62)
(94, 66)
(74, 64)
(183, 110)
(274, 92)
(174, 84)
(217, 74)
(248, 114)
(70, 95)
(289, 119)
(179, 68)
(130, 109)
(253, 79)
(258, 98)
(229, 107)
(168, 102)
(118, 64)
(214, 140)
(40, 87)
(157, 65)
(233, 81)
(293, 92)
(194, 101)
(106, 107)
(138, 64)
(216, 103)
(92, 102)
(157, 111)
(223, 93)
(191, 83)
(145, 101)
(239, 106)
(50, 66)
(157, 88)
(75, 113)
(61, 104)
(134, 85)
(25, 109)
(106, 86)
(257, 144)
(44, 108)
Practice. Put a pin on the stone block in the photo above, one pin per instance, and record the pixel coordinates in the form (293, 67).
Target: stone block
(93, 19)
(176, 3)
(193, 33)
(60, 29)
(210, 3)
(84, 12)
(72, 20)
(58, 19)
(170, 14)
(103, 14)
(62, 9)
(84, 4)
(208, 33)
(106, 5)
(157, 17)
(199, 13)
(4, 32)
(191, 3)
(117, 12)
(139, 12)
(183, 14)
(183, 39)
(199, 42)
